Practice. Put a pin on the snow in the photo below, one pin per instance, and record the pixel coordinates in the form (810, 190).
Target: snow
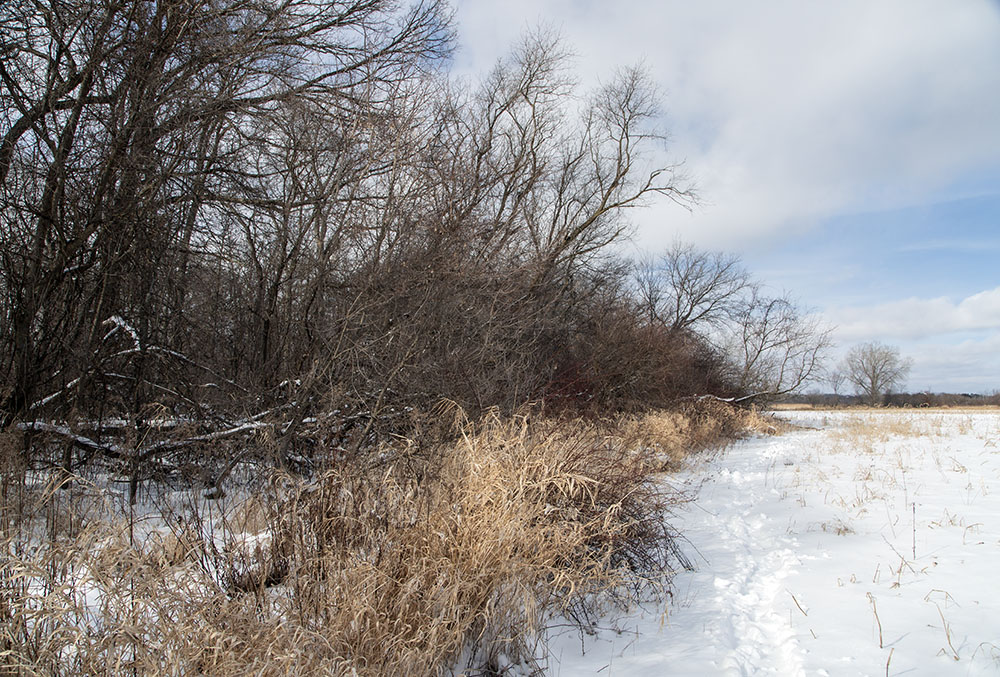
(866, 545)
(117, 322)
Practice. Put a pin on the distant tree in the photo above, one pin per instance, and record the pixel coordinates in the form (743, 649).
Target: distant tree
(836, 379)
(874, 369)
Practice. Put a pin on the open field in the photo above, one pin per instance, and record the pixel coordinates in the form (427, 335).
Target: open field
(865, 543)
(883, 410)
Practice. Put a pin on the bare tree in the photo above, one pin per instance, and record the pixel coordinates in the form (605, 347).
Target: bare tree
(686, 287)
(124, 133)
(874, 369)
(773, 347)
(138, 139)
(250, 215)
(521, 190)
(777, 348)
(836, 378)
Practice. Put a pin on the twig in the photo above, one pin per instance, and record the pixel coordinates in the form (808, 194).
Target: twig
(947, 632)
(797, 603)
(871, 598)
(902, 559)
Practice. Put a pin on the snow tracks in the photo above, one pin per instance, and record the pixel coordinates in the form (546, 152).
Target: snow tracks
(868, 546)
(730, 616)
(749, 557)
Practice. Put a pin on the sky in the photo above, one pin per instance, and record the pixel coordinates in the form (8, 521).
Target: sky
(848, 151)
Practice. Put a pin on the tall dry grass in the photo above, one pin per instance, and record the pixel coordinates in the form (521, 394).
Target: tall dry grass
(672, 436)
(427, 565)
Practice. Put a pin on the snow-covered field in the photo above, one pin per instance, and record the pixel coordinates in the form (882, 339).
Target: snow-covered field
(868, 544)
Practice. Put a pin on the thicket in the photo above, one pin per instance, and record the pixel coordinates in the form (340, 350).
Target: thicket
(222, 217)
(232, 214)
(461, 561)
(277, 235)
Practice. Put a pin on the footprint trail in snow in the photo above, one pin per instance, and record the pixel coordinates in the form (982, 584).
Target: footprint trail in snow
(827, 552)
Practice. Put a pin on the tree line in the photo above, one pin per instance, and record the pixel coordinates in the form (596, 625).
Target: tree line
(234, 217)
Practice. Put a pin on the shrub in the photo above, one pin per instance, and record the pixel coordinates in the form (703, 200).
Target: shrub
(409, 565)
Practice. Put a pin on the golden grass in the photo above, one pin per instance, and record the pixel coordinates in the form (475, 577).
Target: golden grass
(796, 406)
(880, 428)
(674, 435)
(420, 567)
(786, 406)
(863, 429)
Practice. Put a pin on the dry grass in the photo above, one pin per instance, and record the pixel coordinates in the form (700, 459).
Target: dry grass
(418, 567)
(673, 436)
(803, 406)
(865, 429)
(876, 428)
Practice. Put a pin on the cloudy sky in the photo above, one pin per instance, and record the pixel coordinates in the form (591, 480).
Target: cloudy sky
(849, 151)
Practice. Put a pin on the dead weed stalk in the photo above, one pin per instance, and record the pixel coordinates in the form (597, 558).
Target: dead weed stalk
(458, 559)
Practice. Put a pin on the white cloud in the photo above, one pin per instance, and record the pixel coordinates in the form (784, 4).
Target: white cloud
(955, 345)
(972, 365)
(789, 112)
(950, 245)
(916, 318)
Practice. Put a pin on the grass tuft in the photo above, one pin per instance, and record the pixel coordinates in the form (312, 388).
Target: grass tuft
(422, 563)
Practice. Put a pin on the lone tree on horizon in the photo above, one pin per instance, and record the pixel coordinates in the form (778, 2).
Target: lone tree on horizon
(875, 369)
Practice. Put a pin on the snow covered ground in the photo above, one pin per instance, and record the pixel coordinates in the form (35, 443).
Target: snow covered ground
(866, 545)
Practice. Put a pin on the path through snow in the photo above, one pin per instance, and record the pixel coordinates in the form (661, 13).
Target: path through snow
(867, 546)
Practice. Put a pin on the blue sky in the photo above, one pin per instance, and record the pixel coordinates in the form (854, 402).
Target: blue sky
(849, 151)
